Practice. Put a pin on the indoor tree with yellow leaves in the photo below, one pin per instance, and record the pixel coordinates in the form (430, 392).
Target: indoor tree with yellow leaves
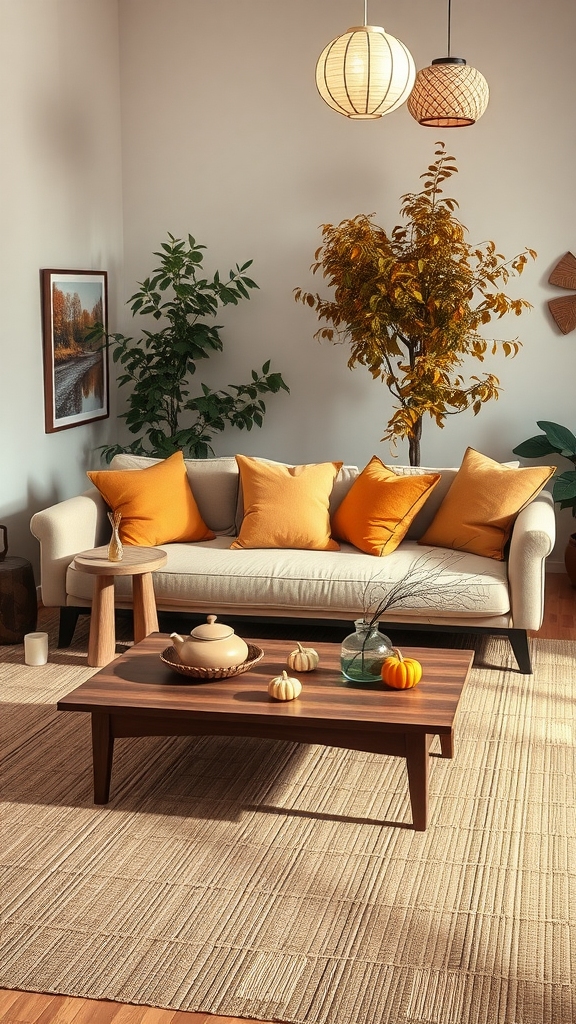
(411, 304)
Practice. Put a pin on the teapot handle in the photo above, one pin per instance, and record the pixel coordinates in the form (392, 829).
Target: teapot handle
(4, 551)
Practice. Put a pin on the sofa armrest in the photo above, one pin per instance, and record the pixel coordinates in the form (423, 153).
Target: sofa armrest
(532, 541)
(64, 530)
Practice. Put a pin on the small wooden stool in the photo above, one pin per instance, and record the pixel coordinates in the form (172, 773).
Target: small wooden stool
(137, 562)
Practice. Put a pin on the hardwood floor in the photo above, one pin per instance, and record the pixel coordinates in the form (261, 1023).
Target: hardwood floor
(560, 604)
(35, 1008)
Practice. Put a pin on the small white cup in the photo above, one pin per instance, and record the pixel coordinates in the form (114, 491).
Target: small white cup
(36, 648)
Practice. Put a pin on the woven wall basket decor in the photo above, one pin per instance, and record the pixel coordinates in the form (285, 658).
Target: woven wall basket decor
(563, 309)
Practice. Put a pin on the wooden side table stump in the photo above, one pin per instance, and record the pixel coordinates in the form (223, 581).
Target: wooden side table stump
(139, 563)
(18, 601)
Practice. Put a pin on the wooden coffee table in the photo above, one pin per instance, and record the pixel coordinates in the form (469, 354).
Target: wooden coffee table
(138, 695)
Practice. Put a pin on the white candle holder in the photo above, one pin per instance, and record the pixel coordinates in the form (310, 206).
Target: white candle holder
(36, 648)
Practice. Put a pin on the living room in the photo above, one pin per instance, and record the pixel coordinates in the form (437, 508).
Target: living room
(124, 120)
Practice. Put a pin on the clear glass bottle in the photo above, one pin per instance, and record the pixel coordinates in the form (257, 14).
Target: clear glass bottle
(364, 652)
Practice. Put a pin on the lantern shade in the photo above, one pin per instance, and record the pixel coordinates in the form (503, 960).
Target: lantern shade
(365, 73)
(448, 94)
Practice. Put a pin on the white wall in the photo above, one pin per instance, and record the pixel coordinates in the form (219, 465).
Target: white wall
(60, 207)
(225, 136)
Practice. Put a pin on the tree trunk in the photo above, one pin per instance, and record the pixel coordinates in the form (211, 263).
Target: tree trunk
(414, 443)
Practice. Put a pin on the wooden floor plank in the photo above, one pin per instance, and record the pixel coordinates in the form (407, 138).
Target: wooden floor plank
(7, 998)
(27, 1008)
(60, 1009)
(154, 1016)
(41, 1008)
(128, 1014)
(188, 1017)
(95, 1011)
(33, 1008)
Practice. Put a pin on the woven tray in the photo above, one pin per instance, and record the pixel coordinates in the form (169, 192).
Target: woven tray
(170, 657)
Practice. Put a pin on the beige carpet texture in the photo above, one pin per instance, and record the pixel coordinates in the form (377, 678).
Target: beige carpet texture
(272, 880)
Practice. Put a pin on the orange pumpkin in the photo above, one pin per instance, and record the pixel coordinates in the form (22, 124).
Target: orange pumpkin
(401, 673)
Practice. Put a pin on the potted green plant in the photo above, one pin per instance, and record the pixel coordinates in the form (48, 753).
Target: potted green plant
(159, 365)
(557, 440)
(411, 304)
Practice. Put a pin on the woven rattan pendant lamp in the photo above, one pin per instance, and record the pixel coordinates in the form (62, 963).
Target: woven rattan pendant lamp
(449, 93)
(365, 73)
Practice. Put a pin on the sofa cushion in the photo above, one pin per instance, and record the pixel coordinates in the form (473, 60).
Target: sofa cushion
(426, 514)
(379, 507)
(286, 507)
(157, 504)
(214, 484)
(210, 577)
(424, 517)
(344, 479)
(479, 510)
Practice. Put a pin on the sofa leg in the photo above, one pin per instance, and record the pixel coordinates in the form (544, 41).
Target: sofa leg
(68, 620)
(519, 642)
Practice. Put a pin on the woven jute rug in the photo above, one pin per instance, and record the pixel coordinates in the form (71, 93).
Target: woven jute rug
(271, 880)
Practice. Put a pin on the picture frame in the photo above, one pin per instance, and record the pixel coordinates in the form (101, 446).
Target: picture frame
(76, 375)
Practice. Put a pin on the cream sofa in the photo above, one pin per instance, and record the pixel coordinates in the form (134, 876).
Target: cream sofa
(455, 591)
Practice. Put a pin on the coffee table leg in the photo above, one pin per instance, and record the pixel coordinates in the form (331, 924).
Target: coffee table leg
(447, 744)
(417, 762)
(102, 640)
(102, 753)
(144, 604)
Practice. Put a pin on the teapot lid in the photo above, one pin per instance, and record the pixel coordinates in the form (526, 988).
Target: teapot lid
(211, 631)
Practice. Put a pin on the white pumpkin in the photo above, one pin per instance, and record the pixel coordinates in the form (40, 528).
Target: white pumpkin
(284, 687)
(303, 659)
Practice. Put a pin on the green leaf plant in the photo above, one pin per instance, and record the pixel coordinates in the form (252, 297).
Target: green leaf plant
(556, 440)
(158, 366)
(411, 303)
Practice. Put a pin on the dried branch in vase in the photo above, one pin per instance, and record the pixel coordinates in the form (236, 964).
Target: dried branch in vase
(426, 584)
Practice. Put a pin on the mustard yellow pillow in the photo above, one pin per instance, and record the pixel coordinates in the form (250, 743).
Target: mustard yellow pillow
(379, 507)
(286, 506)
(479, 510)
(157, 504)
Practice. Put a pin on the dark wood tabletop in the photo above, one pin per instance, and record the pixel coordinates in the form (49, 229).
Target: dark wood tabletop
(138, 682)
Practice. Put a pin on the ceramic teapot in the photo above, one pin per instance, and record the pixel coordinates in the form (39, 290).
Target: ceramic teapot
(210, 645)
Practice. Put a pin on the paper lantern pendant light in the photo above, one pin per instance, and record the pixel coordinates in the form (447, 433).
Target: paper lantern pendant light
(365, 73)
(448, 93)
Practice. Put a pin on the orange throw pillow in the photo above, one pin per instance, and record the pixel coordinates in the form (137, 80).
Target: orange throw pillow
(157, 504)
(379, 507)
(286, 506)
(479, 510)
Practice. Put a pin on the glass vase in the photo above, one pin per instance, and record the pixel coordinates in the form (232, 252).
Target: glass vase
(363, 653)
(115, 549)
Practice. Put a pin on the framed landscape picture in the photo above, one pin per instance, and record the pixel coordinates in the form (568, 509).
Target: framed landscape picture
(75, 369)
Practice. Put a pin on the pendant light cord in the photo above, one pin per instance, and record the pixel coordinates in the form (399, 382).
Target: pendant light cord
(449, 19)
(365, 12)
